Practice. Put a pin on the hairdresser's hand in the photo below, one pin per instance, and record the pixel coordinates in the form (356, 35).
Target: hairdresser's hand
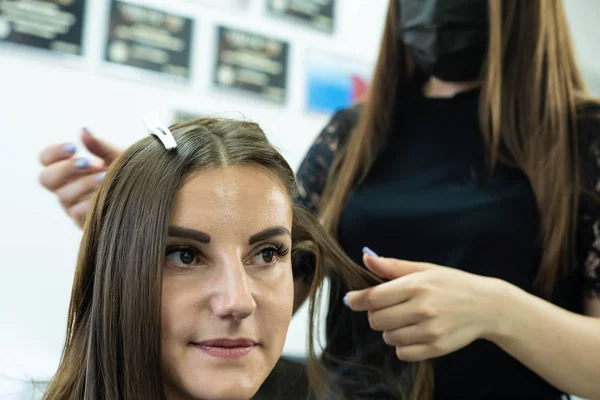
(427, 311)
(74, 180)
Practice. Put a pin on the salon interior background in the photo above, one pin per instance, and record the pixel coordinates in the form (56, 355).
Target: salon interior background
(45, 98)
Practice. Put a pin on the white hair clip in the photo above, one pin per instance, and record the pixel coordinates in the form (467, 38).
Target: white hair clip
(161, 132)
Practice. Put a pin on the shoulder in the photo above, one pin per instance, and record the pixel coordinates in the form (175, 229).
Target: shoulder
(588, 122)
(588, 137)
(313, 171)
(340, 125)
(347, 118)
(334, 134)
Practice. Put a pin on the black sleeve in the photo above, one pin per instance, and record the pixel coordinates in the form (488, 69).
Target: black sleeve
(313, 171)
(589, 209)
(312, 174)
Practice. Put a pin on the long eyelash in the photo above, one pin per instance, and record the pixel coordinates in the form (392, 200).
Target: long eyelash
(279, 249)
(173, 249)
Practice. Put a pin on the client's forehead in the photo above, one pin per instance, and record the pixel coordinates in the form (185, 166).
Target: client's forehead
(230, 200)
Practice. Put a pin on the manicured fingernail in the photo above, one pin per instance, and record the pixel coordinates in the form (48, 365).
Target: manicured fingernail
(86, 130)
(370, 252)
(100, 176)
(70, 148)
(82, 163)
(346, 300)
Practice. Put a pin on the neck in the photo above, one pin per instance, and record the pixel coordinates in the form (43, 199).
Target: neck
(437, 88)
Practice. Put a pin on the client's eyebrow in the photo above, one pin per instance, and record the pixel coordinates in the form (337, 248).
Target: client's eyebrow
(188, 233)
(268, 233)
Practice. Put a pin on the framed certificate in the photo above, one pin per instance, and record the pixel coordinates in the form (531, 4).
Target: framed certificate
(251, 63)
(318, 14)
(149, 38)
(55, 25)
(236, 5)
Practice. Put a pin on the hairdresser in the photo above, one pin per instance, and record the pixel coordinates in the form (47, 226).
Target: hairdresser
(476, 156)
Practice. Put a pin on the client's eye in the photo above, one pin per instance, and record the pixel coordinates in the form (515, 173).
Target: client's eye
(269, 255)
(183, 256)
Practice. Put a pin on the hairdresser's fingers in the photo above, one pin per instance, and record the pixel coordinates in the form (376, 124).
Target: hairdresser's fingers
(99, 147)
(57, 152)
(395, 317)
(72, 192)
(79, 211)
(392, 268)
(383, 295)
(416, 352)
(62, 172)
(412, 335)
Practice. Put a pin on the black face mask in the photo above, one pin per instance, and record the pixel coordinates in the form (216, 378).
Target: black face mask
(447, 38)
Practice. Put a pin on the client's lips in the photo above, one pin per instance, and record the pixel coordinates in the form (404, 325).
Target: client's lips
(227, 348)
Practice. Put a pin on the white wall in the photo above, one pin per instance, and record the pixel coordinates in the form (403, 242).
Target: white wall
(46, 99)
(585, 32)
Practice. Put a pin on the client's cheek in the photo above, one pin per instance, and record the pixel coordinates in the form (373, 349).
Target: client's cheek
(175, 321)
(278, 311)
(167, 317)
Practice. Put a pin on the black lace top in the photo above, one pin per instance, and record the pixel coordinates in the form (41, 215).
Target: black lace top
(421, 201)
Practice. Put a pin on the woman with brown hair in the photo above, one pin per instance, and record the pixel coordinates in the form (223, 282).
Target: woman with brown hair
(475, 155)
(183, 287)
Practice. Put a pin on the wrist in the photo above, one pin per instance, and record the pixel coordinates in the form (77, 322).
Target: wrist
(502, 308)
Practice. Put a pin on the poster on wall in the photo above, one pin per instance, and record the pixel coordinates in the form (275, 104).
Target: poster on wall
(333, 82)
(149, 39)
(238, 5)
(55, 25)
(318, 14)
(251, 63)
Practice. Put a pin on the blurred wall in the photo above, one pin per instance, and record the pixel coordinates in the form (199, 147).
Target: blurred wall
(585, 32)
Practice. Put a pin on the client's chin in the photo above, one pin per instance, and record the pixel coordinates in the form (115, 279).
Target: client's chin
(227, 386)
(218, 374)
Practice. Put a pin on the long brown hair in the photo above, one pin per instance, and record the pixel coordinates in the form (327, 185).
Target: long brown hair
(532, 91)
(112, 348)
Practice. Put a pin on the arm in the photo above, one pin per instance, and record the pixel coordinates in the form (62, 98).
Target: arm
(426, 311)
(592, 307)
(311, 178)
(560, 346)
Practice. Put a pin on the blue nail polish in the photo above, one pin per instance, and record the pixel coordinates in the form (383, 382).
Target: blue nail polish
(100, 176)
(346, 300)
(370, 252)
(70, 148)
(82, 163)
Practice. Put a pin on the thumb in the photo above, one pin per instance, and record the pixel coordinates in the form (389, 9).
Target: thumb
(392, 268)
(99, 147)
